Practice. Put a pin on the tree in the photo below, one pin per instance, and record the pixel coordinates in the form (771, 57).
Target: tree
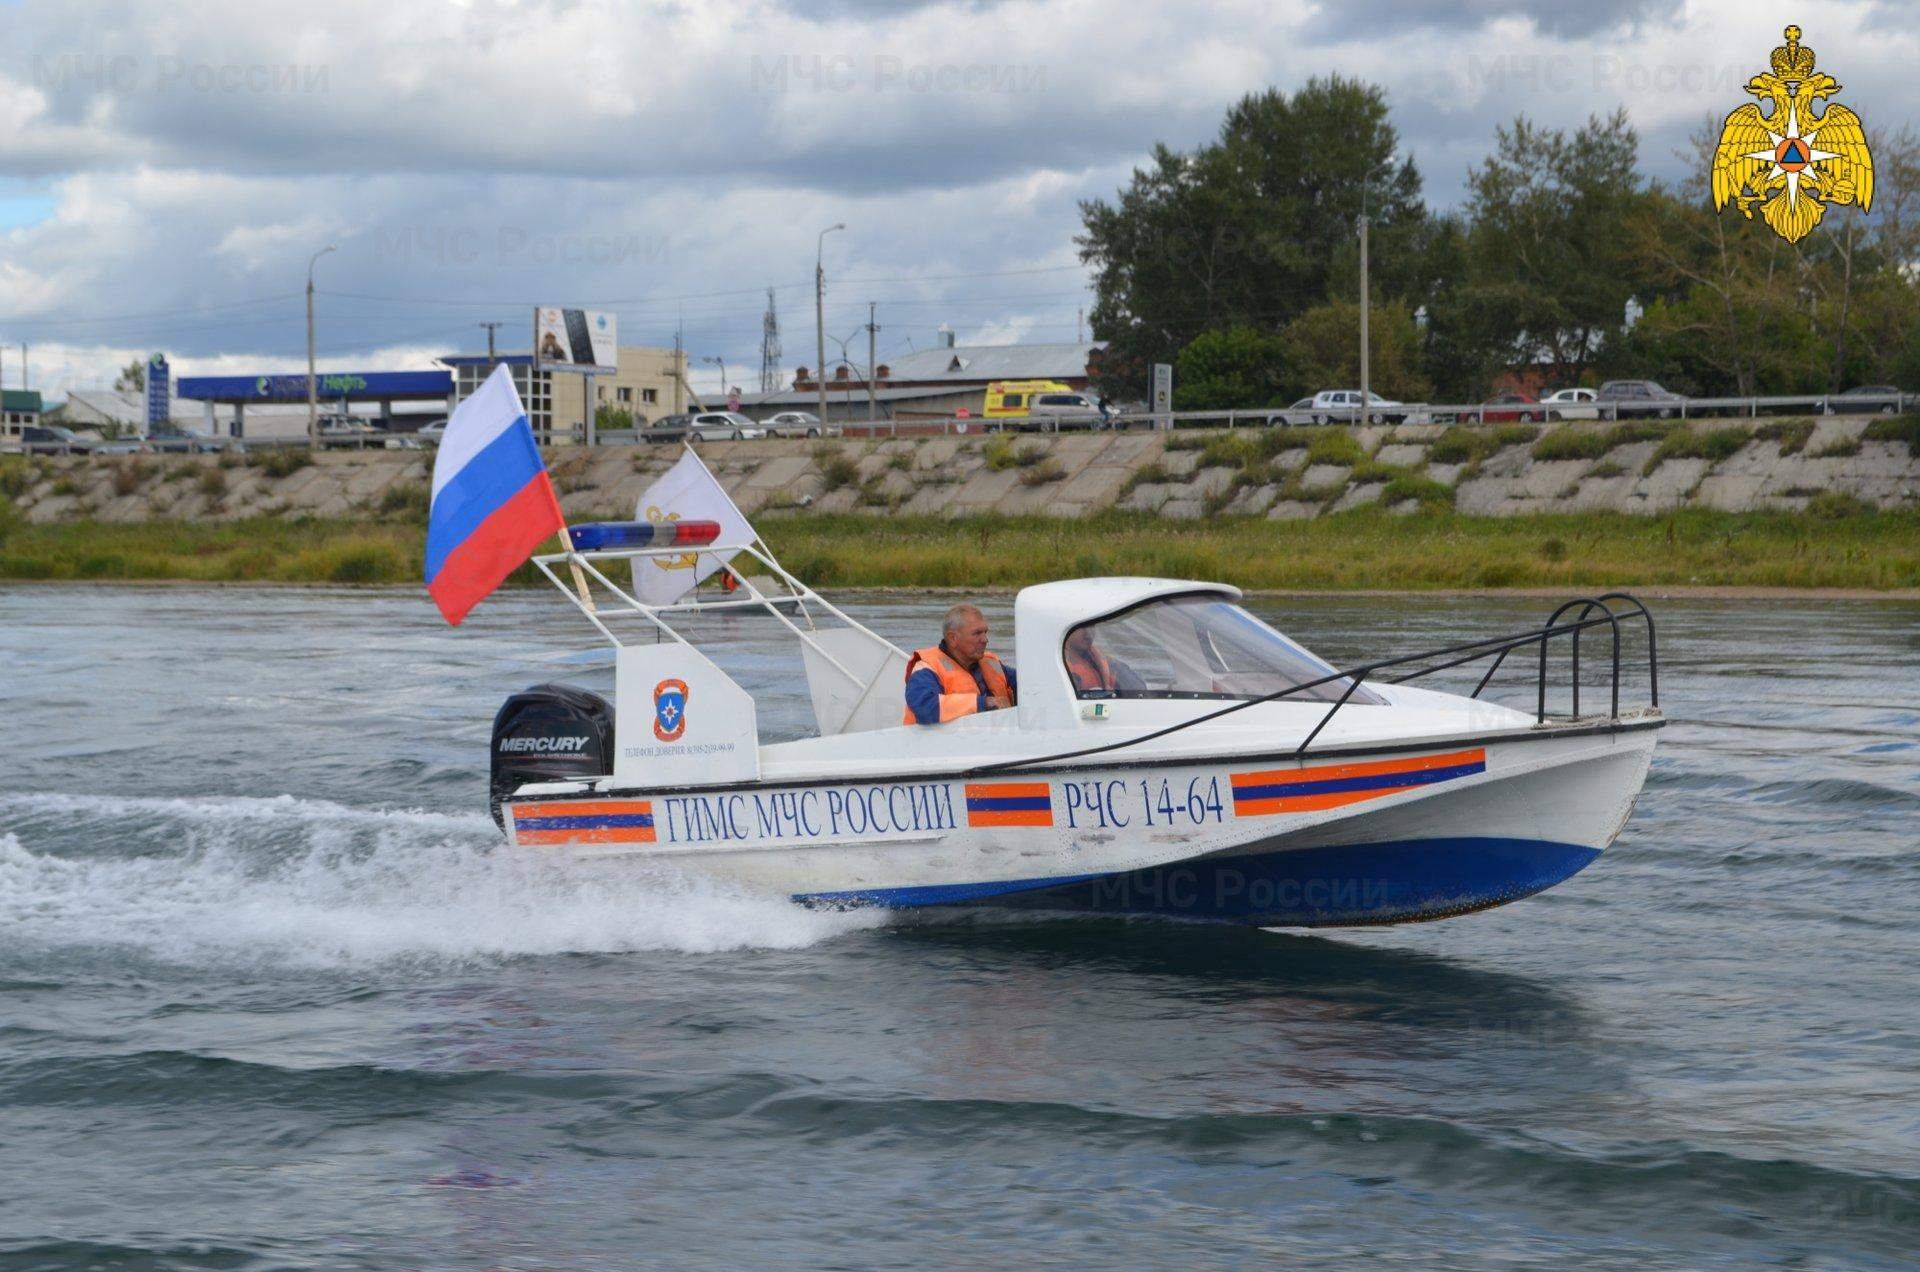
(610, 418)
(132, 378)
(1230, 369)
(1549, 262)
(1731, 293)
(1322, 349)
(1251, 229)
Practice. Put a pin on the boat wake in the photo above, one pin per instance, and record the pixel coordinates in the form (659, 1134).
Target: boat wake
(298, 883)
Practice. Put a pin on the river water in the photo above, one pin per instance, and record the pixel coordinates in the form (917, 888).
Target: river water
(271, 995)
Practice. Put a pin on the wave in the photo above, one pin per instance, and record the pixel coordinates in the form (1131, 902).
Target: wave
(299, 883)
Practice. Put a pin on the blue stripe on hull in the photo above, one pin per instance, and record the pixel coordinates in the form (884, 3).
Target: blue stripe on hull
(932, 893)
(1404, 881)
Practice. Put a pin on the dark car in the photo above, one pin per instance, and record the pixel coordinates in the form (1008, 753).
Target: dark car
(1866, 399)
(51, 439)
(668, 428)
(1621, 398)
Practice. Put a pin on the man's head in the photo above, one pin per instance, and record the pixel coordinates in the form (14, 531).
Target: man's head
(966, 633)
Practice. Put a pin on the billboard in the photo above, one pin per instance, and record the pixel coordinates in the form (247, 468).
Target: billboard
(367, 386)
(159, 391)
(575, 340)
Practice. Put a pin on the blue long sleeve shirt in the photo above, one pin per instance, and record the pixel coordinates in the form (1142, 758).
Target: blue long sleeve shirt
(923, 691)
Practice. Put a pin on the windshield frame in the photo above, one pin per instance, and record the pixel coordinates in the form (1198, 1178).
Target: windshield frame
(1335, 684)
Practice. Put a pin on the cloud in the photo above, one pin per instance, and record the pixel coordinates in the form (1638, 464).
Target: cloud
(179, 163)
(1549, 17)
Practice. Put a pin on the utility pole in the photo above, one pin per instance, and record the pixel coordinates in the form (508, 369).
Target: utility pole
(1366, 402)
(492, 360)
(1079, 319)
(873, 367)
(313, 383)
(679, 370)
(820, 314)
(770, 348)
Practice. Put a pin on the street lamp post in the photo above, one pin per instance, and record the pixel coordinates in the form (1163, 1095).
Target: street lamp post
(820, 314)
(1366, 303)
(313, 383)
(722, 364)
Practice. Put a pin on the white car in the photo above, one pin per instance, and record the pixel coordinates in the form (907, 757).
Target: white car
(799, 424)
(719, 426)
(1571, 404)
(1331, 406)
(1064, 410)
(1300, 412)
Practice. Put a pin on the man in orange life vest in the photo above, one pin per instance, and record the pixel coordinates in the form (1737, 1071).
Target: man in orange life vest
(1094, 674)
(958, 677)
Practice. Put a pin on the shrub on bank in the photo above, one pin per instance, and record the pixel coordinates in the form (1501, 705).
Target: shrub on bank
(284, 462)
(1896, 428)
(1684, 443)
(1791, 434)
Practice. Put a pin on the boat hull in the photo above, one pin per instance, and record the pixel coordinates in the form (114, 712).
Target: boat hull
(1400, 836)
(1348, 885)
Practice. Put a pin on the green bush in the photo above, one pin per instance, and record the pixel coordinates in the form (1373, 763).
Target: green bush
(836, 469)
(1042, 473)
(17, 476)
(1684, 443)
(127, 477)
(365, 563)
(1570, 441)
(998, 453)
(1407, 485)
(1833, 505)
(212, 482)
(407, 501)
(1896, 428)
(1839, 448)
(1229, 450)
(283, 462)
(1463, 445)
(1335, 446)
(1791, 434)
(1145, 475)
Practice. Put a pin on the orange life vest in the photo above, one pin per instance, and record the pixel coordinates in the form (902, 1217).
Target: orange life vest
(1091, 674)
(959, 691)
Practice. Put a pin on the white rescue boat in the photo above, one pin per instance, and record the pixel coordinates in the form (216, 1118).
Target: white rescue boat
(1231, 775)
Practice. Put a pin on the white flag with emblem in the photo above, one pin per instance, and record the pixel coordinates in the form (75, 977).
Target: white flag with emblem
(685, 492)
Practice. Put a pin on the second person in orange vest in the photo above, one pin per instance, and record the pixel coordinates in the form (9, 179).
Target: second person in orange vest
(958, 677)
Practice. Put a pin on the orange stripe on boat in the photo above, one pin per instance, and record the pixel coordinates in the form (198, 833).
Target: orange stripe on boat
(1008, 790)
(1370, 768)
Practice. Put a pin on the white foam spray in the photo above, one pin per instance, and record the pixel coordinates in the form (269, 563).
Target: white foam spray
(313, 884)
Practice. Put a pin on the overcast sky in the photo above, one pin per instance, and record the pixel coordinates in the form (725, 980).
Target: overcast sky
(166, 169)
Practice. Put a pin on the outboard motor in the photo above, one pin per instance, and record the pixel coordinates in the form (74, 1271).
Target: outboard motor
(549, 733)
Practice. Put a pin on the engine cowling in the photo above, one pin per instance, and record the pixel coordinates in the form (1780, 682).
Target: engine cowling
(549, 733)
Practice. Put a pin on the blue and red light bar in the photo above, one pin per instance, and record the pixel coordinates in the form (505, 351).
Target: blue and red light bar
(601, 536)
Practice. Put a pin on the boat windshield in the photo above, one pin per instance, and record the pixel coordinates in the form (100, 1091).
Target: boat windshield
(1199, 645)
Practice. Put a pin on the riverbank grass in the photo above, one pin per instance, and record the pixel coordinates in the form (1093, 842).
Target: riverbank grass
(1835, 543)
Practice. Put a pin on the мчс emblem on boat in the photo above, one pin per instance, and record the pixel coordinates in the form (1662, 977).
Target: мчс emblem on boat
(670, 710)
(1789, 163)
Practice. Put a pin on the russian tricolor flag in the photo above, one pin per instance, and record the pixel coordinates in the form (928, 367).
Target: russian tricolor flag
(492, 502)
